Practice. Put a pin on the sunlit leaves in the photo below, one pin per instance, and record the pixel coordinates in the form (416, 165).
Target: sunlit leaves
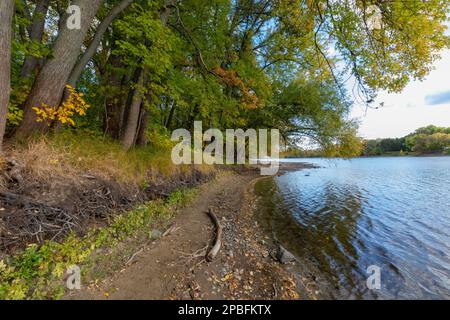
(64, 114)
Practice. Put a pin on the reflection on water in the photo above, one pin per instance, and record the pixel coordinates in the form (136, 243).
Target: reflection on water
(348, 215)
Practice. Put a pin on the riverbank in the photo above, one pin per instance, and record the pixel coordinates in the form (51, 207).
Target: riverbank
(134, 231)
(67, 198)
(174, 266)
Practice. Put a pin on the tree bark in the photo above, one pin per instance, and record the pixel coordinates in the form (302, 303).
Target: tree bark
(133, 114)
(170, 117)
(6, 15)
(115, 102)
(141, 139)
(92, 49)
(51, 81)
(36, 31)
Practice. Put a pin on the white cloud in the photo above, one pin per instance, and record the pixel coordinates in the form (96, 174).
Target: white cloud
(411, 109)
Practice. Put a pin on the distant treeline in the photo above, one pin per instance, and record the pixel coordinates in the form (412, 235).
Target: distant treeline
(426, 140)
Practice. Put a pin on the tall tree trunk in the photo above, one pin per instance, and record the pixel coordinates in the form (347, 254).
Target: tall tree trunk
(114, 99)
(130, 133)
(170, 117)
(51, 81)
(133, 114)
(141, 139)
(92, 49)
(36, 31)
(143, 115)
(6, 15)
(131, 78)
(194, 112)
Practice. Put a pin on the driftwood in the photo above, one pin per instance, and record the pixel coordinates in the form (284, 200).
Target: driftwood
(218, 241)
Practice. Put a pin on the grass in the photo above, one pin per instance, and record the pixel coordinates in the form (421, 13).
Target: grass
(37, 273)
(68, 154)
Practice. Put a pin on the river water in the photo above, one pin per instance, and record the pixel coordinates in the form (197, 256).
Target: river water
(389, 214)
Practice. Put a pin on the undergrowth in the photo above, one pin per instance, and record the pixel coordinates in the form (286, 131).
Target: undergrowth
(37, 273)
(68, 153)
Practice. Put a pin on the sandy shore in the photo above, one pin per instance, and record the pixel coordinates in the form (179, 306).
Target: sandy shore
(174, 266)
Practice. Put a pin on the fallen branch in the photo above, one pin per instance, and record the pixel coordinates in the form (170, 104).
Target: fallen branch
(16, 199)
(133, 256)
(218, 241)
(173, 228)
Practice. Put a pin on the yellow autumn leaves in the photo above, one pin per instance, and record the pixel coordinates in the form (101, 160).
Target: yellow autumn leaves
(74, 105)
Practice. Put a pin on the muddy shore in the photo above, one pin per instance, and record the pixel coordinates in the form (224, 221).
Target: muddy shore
(174, 266)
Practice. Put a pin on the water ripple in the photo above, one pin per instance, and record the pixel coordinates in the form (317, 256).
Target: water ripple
(389, 212)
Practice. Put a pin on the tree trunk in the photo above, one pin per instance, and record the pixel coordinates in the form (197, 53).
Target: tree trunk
(51, 81)
(170, 117)
(141, 139)
(6, 15)
(114, 100)
(131, 78)
(133, 114)
(92, 49)
(130, 133)
(36, 31)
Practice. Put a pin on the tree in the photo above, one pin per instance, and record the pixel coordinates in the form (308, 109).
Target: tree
(93, 46)
(144, 49)
(147, 66)
(6, 15)
(36, 32)
(51, 81)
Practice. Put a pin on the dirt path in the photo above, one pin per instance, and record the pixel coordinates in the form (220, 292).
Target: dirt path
(174, 267)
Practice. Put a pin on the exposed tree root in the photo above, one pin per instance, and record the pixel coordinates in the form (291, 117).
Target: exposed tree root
(218, 241)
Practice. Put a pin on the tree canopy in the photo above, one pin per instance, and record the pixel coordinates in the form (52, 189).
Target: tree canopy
(146, 67)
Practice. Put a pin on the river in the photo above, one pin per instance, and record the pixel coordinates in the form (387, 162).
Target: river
(348, 218)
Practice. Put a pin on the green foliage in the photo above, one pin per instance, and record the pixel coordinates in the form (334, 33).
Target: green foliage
(15, 116)
(386, 56)
(384, 146)
(146, 43)
(90, 151)
(426, 140)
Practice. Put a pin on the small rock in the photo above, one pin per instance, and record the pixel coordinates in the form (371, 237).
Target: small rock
(285, 256)
(156, 234)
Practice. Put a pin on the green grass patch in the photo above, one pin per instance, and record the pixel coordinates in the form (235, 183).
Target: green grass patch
(102, 154)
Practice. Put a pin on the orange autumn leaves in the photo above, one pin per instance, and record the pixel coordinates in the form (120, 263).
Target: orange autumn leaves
(230, 78)
(73, 105)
